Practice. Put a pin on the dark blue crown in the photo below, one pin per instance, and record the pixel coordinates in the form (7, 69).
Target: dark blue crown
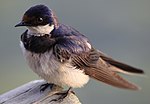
(38, 10)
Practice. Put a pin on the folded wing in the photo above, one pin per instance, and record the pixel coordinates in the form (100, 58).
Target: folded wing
(99, 67)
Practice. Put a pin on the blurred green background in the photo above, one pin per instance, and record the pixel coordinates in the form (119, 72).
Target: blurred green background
(120, 28)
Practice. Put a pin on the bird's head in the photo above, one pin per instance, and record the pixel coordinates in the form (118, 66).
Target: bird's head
(39, 19)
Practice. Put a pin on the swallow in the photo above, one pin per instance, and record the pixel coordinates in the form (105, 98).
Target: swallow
(63, 56)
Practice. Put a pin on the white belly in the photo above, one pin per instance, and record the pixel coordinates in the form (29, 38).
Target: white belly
(47, 67)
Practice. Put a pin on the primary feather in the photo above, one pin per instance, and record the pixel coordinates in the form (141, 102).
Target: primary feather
(97, 68)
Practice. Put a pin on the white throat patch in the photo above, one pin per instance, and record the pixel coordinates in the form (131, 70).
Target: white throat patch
(40, 30)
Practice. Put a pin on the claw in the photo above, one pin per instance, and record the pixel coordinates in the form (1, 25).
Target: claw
(43, 87)
(62, 95)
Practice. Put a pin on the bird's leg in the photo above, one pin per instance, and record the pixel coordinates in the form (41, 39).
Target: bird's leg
(62, 95)
(43, 87)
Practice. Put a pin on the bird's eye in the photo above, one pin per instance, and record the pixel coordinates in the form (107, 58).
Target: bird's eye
(40, 20)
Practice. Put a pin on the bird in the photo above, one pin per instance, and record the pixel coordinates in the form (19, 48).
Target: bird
(63, 56)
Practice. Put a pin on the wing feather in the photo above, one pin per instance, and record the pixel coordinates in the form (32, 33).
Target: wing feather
(97, 68)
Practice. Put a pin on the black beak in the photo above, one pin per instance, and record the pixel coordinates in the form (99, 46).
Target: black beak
(21, 24)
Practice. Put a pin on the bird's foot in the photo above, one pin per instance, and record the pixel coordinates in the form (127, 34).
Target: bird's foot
(62, 95)
(43, 87)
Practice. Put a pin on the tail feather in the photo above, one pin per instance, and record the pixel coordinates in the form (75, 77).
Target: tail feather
(110, 78)
(121, 67)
